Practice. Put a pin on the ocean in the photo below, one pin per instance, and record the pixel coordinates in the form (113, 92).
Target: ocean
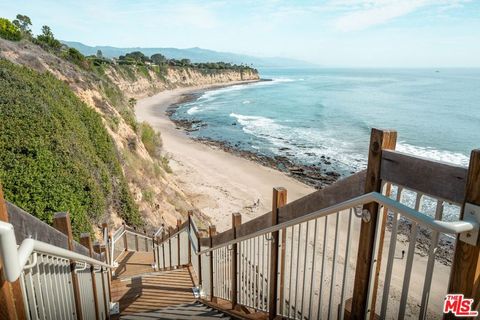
(324, 116)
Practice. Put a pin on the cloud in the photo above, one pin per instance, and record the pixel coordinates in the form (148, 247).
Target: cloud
(362, 14)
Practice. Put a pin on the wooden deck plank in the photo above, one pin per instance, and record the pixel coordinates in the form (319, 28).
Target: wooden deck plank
(138, 288)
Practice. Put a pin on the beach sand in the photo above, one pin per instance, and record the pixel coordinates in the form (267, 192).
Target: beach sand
(217, 182)
(220, 183)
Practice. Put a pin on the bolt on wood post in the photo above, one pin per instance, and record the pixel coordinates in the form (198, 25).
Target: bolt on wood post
(279, 199)
(236, 222)
(97, 247)
(87, 243)
(61, 222)
(212, 230)
(11, 298)
(465, 272)
(179, 222)
(379, 140)
(125, 240)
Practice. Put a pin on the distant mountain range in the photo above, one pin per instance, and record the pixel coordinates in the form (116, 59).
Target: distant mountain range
(194, 54)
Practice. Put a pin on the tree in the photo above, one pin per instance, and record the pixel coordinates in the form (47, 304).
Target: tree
(23, 23)
(158, 59)
(185, 62)
(9, 31)
(99, 54)
(48, 39)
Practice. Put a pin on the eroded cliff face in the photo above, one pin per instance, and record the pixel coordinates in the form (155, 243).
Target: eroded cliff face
(146, 84)
(108, 92)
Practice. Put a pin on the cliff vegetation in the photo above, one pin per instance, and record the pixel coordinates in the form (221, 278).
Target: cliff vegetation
(70, 135)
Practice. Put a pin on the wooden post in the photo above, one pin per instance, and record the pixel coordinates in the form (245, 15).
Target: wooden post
(170, 231)
(465, 273)
(125, 240)
(11, 298)
(278, 201)
(107, 252)
(212, 230)
(146, 239)
(236, 222)
(136, 239)
(87, 242)
(109, 274)
(379, 140)
(98, 249)
(179, 222)
(190, 215)
(61, 222)
(163, 250)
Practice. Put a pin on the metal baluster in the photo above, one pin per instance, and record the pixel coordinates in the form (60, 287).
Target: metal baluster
(257, 273)
(345, 267)
(297, 268)
(44, 287)
(304, 267)
(431, 263)
(391, 255)
(290, 305)
(334, 268)
(35, 274)
(33, 303)
(409, 262)
(320, 290)
(312, 275)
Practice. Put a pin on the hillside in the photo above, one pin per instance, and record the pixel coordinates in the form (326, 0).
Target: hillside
(195, 55)
(113, 155)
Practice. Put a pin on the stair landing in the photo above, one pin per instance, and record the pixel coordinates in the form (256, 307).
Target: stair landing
(139, 289)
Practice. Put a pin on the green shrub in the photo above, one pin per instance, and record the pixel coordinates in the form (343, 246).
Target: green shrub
(76, 57)
(9, 31)
(151, 140)
(56, 155)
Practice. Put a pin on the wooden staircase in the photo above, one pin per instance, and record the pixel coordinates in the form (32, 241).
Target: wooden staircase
(140, 289)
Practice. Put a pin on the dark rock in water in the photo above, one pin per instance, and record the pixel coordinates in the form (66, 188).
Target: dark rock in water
(311, 154)
(327, 162)
(296, 170)
(323, 157)
(284, 149)
(234, 124)
(332, 174)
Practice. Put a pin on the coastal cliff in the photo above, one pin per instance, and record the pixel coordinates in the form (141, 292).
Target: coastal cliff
(146, 82)
(111, 91)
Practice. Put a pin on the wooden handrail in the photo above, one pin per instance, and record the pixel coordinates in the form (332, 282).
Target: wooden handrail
(438, 179)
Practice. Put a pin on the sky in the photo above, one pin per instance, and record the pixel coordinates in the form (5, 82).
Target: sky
(330, 33)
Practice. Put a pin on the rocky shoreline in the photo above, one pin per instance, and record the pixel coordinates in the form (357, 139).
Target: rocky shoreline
(313, 175)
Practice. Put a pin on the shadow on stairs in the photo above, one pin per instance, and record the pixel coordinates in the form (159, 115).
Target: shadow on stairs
(194, 310)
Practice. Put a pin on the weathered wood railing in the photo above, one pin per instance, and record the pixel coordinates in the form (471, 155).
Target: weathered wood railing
(348, 251)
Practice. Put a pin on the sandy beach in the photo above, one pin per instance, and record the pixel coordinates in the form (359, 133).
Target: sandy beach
(217, 182)
(220, 183)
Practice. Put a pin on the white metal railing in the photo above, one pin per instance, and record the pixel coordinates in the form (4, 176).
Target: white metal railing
(129, 242)
(45, 275)
(320, 259)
